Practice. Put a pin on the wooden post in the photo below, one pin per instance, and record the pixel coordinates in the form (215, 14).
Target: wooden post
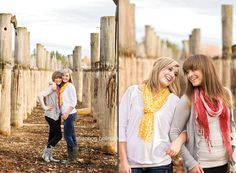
(158, 46)
(227, 31)
(185, 51)
(77, 58)
(196, 41)
(94, 43)
(122, 76)
(86, 93)
(5, 37)
(27, 49)
(150, 42)
(39, 55)
(107, 41)
(18, 96)
(140, 53)
(44, 59)
(5, 72)
(47, 66)
(107, 86)
(123, 27)
(190, 45)
(163, 48)
(131, 30)
(27, 64)
(233, 56)
(20, 45)
(148, 31)
(233, 72)
(70, 61)
(78, 73)
(25, 92)
(28, 93)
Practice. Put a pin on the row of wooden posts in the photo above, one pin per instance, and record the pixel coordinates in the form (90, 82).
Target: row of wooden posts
(137, 58)
(23, 76)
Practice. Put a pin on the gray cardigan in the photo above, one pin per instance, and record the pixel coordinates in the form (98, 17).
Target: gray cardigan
(49, 97)
(184, 120)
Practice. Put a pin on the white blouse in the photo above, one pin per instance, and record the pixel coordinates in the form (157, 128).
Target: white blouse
(139, 153)
(69, 99)
(217, 155)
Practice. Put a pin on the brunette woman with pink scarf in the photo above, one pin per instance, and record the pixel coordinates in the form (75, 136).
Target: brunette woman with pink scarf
(205, 111)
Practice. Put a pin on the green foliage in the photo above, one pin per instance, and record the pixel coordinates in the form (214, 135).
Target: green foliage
(172, 46)
(58, 56)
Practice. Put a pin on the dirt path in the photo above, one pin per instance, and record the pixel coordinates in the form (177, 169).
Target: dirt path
(21, 152)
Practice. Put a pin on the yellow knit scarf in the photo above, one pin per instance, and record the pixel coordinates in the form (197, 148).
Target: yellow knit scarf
(61, 91)
(151, 105)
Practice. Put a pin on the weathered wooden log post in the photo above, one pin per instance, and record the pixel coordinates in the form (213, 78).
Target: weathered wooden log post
(53, 62)
(127, 43)
(39, 55)
(5, 72)
(150, 42)
(233, 72)
(196, 41)
(77, 58)
(190, 45)
(47, 65)
(123, 27)
(18, 85)
(94, 45)
(107, 118)
(94, 48)
(131, 49)
(30, 98)
(33, 78)
(185, 51)
(227, 31)
(86, 96)
(107, 48)
(78, 73)
(158, 46)
(131, 29)
(40, 66)
(70, 62)
(163, 48)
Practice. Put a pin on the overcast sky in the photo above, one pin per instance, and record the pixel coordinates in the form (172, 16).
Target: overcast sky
(59, 24)
(175, 19)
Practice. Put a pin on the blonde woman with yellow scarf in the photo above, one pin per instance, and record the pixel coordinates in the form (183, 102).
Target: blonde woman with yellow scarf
(68, 101)
(145, 115)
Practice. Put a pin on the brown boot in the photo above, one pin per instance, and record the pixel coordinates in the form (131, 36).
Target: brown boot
(70, 158)
(75, 153)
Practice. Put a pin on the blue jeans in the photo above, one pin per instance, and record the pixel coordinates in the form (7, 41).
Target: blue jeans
(69, 131)
(158, 169)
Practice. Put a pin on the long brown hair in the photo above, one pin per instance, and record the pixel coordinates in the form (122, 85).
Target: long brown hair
(153, 80)
(210, 82)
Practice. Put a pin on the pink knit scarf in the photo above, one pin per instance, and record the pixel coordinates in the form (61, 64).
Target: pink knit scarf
(202, 105)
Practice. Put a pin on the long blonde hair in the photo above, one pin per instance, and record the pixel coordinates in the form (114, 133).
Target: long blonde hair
(153, 79)
(210, 82)
(69, 71)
